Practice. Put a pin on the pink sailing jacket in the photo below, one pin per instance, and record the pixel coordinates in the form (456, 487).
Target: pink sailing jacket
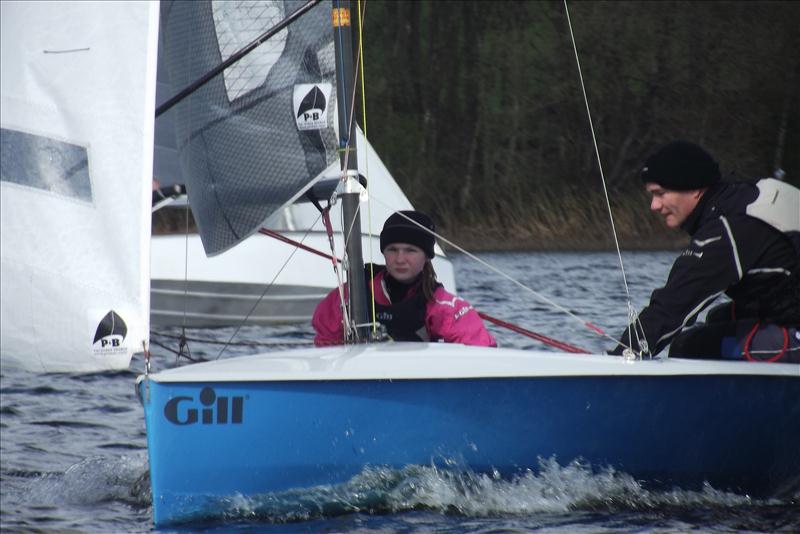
(447, 318)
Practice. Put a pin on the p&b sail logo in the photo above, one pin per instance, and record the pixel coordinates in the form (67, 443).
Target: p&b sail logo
(209, 409)
(311, 105)
(109, 338)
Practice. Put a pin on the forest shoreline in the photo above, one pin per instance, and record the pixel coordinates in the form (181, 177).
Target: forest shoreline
(560, 226)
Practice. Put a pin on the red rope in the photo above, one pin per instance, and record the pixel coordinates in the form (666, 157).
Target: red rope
(749, 340)
(280, 237)
(595, 328)
(499, 322)
(539, 337)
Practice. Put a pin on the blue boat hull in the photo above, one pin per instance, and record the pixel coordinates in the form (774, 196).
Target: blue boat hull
(220, 439)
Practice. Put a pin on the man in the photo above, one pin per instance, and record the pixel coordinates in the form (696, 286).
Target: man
(745, 243)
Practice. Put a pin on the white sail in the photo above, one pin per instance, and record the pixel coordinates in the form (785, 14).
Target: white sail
(78, 103)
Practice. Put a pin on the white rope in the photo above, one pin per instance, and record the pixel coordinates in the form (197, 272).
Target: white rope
(351, 329)
(339, 282)
(508, 277)
(360, 70)
(631, 311)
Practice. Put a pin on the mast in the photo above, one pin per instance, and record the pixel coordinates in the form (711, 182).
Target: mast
(345, 89)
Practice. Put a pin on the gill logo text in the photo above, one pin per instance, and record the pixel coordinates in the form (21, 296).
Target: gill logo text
(213, 409)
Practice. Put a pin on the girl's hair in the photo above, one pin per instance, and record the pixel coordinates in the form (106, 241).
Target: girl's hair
(428, 282)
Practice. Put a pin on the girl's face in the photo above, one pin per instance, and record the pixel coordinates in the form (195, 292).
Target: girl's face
(404, 261)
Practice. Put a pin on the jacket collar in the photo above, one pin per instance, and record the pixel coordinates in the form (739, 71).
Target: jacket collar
(696, 217)
(395, 291)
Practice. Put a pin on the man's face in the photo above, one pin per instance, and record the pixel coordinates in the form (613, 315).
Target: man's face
(674, 206)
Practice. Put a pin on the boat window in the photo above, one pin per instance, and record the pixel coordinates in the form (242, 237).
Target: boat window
(45, 163)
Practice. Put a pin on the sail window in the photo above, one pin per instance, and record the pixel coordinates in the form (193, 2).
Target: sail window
(45, 163)
(239, 23)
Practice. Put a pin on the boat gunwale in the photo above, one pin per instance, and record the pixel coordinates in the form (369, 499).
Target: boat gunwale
(443, 361)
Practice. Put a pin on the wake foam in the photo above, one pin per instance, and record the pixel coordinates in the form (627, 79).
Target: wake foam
(94, 480)
(551, 489)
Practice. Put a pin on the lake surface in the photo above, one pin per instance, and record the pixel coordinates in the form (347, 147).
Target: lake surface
(73, 453)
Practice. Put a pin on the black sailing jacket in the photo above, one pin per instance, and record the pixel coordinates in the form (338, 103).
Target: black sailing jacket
(755, 264)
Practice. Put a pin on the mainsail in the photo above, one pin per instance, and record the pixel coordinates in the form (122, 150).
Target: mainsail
(77, 106)
(253, 138)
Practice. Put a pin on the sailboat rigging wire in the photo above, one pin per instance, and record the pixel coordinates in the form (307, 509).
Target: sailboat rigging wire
(326, 220)
(284, 343)
(264, 292)
(187, 211)
(347, 234)
(508, 277)
(197, 84)
(147, 358)
(360, 66)
(350, 330)
(351, 119)
(179, 353)
(347, 231)
(600, 166)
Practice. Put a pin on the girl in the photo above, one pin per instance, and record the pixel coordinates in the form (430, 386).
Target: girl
(409, 301)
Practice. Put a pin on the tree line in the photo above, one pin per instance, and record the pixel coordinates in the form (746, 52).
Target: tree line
(476, 108)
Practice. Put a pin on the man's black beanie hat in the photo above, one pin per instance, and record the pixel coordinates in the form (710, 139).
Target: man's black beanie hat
(681, 166)
(398, 229)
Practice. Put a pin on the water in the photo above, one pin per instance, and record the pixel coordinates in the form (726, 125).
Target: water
(73, 454)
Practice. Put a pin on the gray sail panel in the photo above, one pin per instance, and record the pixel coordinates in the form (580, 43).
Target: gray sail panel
(244, 149)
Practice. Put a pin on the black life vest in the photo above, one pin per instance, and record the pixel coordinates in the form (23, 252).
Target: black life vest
(405, 320)
(775, 203)
(778, 204)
